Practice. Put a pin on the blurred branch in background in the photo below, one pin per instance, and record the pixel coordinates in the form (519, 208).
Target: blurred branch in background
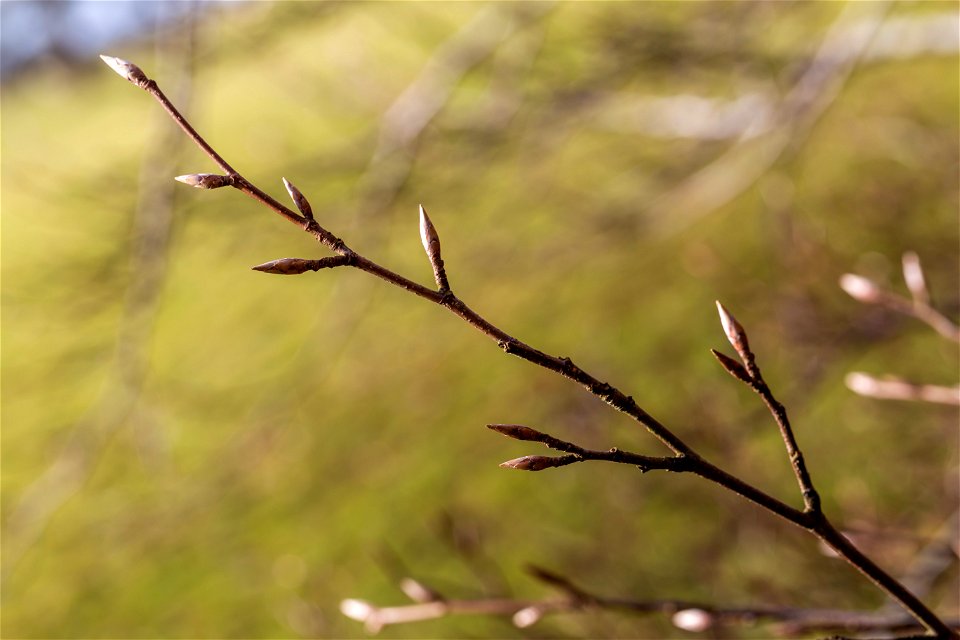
(754, 113)
(121, 403)
(404, 122)
(686, 615)
(917, 306)
(842, 48)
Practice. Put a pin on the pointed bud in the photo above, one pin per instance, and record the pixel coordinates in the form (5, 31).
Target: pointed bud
(287, 266)
(535, 463)
(294, 266)
(913, 275)
(695, 620)
(517, 432)
(205, 180)
(527, 616)
(298, 199)
(733, 367)
(735, 332)
(428, 233)
(127, 70)
(431, 244)
(860, 288)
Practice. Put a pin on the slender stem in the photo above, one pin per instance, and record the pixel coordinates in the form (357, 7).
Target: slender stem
(811, 499)
(812, 519)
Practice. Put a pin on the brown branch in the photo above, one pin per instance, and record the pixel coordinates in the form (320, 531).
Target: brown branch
(684, 459)
(738, 338)
(688, 615)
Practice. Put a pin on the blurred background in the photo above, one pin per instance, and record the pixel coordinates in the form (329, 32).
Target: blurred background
(193, 449)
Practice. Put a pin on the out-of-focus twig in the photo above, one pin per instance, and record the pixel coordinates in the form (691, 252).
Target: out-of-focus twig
(750, 156)
(404, 122)
(687, 615)
(752, 114)
(892, 388)
(121, 402)
(918, 306)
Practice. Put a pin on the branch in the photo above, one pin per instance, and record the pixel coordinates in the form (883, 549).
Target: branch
(738, 339)
(685, 458)
(867, 291)
(687, 615)
(892, 388)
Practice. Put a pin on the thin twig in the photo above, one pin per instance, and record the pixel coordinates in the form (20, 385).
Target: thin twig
(738, 338)
(867, 291)
(688, 615)
(891, 388)
(811, 519)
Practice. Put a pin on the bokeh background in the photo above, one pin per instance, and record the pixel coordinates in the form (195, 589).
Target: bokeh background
(193, 449)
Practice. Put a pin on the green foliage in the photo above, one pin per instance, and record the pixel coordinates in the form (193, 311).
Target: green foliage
(297, 440)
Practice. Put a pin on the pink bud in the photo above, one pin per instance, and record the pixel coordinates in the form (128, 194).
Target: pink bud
(127, 70)
(860, 288)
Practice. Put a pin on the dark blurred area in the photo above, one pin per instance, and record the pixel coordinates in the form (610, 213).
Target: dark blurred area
(194, 449)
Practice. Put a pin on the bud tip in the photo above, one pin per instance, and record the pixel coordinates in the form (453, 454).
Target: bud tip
(859, 288)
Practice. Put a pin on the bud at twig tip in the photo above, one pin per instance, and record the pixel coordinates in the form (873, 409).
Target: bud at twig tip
(428, 233)
(431, 244)
(205, 180)
(125, 69)
(516, 431)
(530, 463)
(859, 288)
(861, 383)
(356, 609)
(734, 331)
(287, 266)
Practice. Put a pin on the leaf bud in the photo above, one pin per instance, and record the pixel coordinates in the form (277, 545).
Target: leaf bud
(734, 330)
(287, 266)
(431, 244)
(733, 367)
(358, 610)
(205, 180)
(298, 199)
(517, 431)
(860, 288)
(532, 463)
(127, 70)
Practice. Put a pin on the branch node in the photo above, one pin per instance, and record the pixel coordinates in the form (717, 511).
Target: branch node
(508, 346)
